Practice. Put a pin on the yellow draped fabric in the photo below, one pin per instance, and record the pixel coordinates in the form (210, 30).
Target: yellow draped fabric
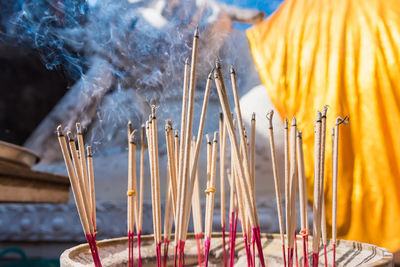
(345, 54)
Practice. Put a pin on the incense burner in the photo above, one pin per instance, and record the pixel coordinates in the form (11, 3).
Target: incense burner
(114, 252)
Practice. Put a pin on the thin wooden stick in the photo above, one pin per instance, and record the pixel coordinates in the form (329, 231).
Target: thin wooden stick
(196, 212)
(321, 174)
(199, 139)
(253, 151)
(157, 177)
(91, 184)
(303, 197)
(82, 162)
(181, 150)
(222, 150)
(287, 184)
(317, 187)
(168, 214)
(277, 183)
(292, 192)
(210, 191)
(188, 135)
(139, 217)
(335, 152)
(171, 162)
(131, 194)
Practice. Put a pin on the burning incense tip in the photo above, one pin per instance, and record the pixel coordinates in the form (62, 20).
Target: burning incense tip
(132, 137)
(294, 121)
(196, 32)
(187, 61)
(89, 151)
(59, 131)
(299, 134)
(208, 139)
(319, 116)
(153, 111)
(221, 116)
(270, 114)
(176, 133)
(232, 70)
(215, 137)
(217, 64)
(78, 128)
(129, 126)
(70, 136)
(210, 74)
(168, 125)
(324, 111)
(253, 116)
(339, 120)
(286, 124)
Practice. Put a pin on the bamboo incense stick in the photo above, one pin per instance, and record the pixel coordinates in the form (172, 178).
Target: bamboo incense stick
(168, 214)
(253, 150)
(91, 184)
(188, 135)
(292, 192)
(181, 155)
(277, 183)
(82, 162)
(210, 191)
(196, 213)
(156, 183)
(287, 184)
(335, 152)
(317, 188)
(171, 162)
(139, 217)
(323, 230)
(193, 169)
(303, 197)
(222, 146)
(321, 174)
(131, 194)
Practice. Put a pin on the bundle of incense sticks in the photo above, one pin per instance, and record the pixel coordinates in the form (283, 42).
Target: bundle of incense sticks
(294, 165)
(182, 185)
(81, 176)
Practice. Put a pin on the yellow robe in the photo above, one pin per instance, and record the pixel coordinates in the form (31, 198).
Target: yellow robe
(345, 54)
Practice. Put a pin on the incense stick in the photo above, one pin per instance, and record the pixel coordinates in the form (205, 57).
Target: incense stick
(335, 152)
(168, 214)
(277, 183)
(317, 188)
(303, 197)
(210, 191)
(139, 217)
(82, 162)
(222, 146)
(193, 169)
(292, 191)
(91, 184)
(321, 178)
(131, 194)
(196, 212)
